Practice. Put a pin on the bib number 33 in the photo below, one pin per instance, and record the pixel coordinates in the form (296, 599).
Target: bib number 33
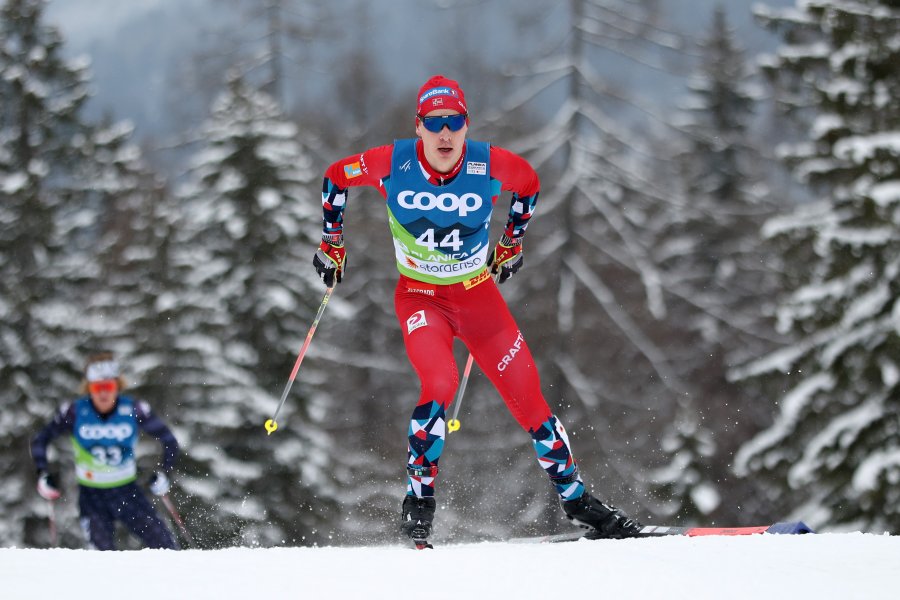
(107, 455)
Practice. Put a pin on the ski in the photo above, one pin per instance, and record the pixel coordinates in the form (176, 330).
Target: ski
(653, 531)
(650, 531)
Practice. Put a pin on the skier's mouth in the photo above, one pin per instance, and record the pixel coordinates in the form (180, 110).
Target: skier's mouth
(445, 149)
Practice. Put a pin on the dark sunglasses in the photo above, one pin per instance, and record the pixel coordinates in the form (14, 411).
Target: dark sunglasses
(436, 124)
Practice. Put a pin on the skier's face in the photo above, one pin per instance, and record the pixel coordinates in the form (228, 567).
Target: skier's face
(442, 149)
(103, 394)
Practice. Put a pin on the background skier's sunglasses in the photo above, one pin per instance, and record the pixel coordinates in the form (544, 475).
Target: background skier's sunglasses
(107, 385)
(436, 124)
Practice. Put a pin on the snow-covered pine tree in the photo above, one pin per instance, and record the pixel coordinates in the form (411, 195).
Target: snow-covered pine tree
(116, 266)
(686, 486)
(718, 277)
(596, 309)
(116, 252)
(244, 297)
(833, 451)
(377, 381)
(41, 128)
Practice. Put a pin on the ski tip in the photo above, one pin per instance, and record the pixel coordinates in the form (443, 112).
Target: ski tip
(423, 545)
(790, 527)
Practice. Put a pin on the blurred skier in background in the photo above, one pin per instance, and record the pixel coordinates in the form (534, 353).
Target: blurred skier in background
(440, 190)
(104, 425)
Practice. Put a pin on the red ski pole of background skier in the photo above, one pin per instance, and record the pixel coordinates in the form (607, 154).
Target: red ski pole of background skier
(272, 424)
(51, 519)
(177, 518)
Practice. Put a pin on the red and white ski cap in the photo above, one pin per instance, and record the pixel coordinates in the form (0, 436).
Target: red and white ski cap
(440, 92)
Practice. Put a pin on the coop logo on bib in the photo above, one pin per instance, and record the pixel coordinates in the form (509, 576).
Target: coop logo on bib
(118, 432)
(446, 202)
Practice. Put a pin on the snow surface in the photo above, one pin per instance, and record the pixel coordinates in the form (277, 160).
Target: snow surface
(821, 566)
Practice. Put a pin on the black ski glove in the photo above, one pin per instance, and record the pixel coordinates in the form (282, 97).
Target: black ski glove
(331, 259)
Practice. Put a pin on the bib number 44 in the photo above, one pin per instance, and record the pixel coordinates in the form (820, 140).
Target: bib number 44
(451, 240)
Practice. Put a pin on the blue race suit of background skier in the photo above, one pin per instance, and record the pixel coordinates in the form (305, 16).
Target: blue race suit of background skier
(106, 470)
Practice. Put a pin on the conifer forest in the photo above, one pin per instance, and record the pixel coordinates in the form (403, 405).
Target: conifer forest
(711, 288)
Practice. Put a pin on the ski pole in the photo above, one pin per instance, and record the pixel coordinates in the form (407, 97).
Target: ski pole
(453, 424)
(51, 521)
(177, 518)
(271, 425)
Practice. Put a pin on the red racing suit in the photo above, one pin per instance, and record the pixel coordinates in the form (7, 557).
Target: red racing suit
(440, 224)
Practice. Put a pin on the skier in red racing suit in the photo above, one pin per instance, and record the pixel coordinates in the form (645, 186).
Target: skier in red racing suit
(440, 190)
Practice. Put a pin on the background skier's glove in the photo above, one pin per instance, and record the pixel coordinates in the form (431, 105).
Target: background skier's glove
(331, 259)
(160, 484)
(46, 486)
(507, 258)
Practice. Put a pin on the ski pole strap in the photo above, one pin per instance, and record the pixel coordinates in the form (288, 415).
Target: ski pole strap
(416, 471)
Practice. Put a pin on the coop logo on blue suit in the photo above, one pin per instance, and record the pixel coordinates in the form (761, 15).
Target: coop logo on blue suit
(446, 202)
(113, 431)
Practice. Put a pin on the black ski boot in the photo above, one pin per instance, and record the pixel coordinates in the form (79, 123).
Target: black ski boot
(418, 513)
(603, 521)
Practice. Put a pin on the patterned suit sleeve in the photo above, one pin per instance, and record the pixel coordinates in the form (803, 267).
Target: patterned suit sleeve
(153, 425)
(518, 177)
(371, 168)
(63, 422)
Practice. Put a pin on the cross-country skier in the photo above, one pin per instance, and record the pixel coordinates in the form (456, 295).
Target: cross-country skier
(104, 426)
(440, 190)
